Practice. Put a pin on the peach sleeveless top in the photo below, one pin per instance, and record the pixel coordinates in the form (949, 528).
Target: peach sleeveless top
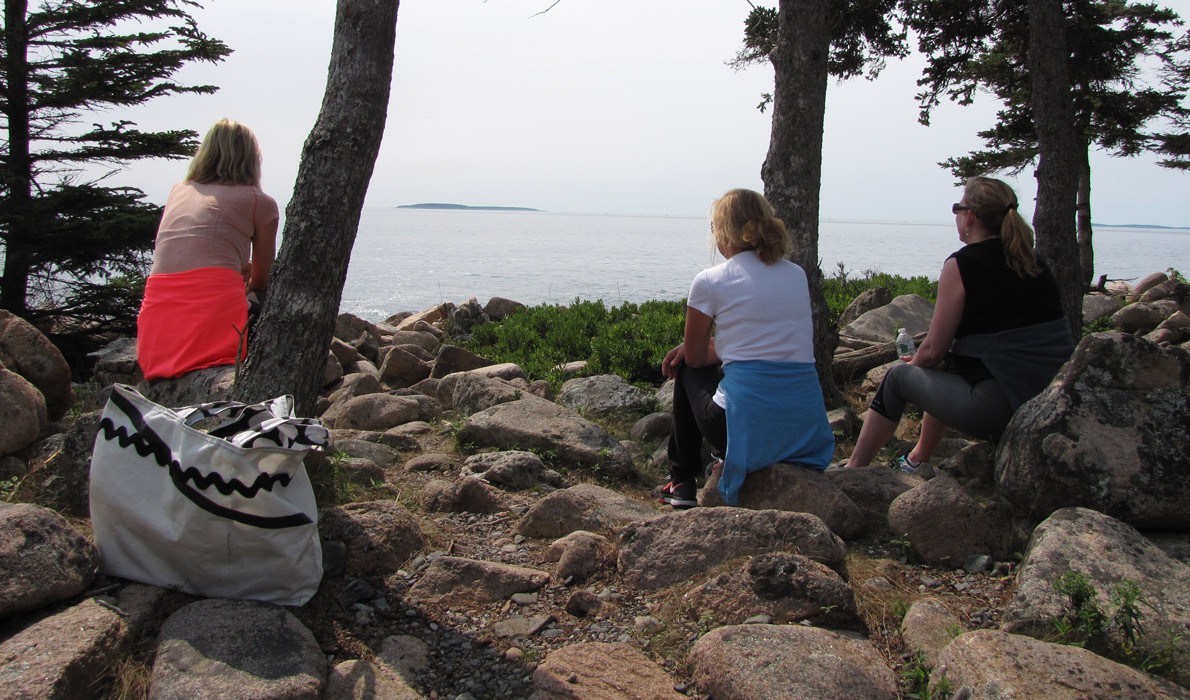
(210, 225)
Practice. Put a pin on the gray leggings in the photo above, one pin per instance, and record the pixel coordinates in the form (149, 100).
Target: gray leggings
(980, 410)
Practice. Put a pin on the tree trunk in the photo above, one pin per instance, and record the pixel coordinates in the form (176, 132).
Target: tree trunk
(1058, 157)
(792, 170)
(18, 170)
(288, 354)
(1086, 250)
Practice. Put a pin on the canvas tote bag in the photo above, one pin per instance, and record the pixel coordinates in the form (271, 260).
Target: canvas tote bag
(228, 512)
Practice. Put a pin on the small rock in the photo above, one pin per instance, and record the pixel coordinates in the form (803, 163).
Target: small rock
(977, 563)
(879, 583)
(334, 558)
(522, 626)
(355, 591)
(583, 603)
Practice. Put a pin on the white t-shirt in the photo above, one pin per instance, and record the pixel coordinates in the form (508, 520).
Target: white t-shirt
(761, 312)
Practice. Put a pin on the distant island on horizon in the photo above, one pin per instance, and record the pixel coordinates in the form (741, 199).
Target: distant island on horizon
(1171, 228)
(440, 205)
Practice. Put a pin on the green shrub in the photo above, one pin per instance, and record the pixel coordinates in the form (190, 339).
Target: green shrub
(631, 340)
(841, 288)
(1099, 325)
(541, 338)
(1112, 632)
(634, 345)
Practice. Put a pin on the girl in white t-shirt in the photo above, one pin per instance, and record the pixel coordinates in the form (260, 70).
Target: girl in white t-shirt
(751, 389)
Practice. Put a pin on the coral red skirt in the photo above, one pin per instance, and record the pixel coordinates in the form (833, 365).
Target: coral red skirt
(191, 320)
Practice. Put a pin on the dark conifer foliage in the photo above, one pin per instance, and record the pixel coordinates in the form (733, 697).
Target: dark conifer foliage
(76, 250)
(1129, 73)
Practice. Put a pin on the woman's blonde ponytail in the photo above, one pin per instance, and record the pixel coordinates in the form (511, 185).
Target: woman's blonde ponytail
(995, 205)
(743, 219)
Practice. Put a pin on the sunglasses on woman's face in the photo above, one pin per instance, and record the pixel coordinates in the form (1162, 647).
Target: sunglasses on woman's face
(956, 208)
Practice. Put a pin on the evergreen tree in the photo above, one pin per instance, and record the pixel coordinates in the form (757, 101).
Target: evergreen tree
(288, 352)
(808, 41)
(1118, 107)
(75, 250)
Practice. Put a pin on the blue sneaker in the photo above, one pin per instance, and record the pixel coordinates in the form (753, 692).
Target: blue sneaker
(907, 465)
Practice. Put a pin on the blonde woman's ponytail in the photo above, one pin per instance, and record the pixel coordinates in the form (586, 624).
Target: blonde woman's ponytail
(995, 205)
(768, 238)
(1017, 237)
(743, 219)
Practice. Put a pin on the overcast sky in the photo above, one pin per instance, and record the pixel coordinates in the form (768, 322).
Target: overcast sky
(598, 106)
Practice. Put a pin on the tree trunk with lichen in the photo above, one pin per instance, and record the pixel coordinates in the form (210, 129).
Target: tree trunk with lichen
(1058, 155)
(792, 170)
(288, 352)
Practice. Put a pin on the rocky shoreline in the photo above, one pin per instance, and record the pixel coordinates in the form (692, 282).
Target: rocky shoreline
(491, 540)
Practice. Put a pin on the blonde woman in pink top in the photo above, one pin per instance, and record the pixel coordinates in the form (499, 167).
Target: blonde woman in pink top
(215, 246)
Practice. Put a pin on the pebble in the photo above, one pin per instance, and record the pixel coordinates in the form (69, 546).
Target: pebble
(759, 620)
(509, 548)
(355, 591)
(648, 624)
(524, 598)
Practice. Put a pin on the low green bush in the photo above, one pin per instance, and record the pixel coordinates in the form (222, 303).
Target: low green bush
(842, 287)
(634, 345)
(541, 338)
(631, 340)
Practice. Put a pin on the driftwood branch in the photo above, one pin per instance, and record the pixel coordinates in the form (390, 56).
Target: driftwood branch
(849, 365)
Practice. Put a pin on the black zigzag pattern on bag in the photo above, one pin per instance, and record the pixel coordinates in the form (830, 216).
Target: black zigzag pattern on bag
(148, 443)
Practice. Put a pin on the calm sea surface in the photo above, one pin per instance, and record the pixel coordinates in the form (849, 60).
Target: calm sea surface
(412, 259)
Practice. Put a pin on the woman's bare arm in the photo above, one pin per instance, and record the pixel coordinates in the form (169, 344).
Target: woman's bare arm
(700, 346)
(948, 311)
(264, 249)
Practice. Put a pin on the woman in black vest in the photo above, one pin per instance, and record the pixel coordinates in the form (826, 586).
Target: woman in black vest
(997, 338)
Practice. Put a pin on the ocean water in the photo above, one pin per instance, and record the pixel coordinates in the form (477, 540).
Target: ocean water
(412, 259)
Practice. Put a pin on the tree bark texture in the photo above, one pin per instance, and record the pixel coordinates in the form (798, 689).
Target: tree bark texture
(1058, 154)
(792, 170)
(1086, 247)
(288, 353)
(17, 257)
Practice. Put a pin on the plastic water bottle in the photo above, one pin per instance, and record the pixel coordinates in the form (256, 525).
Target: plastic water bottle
(905, 346)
